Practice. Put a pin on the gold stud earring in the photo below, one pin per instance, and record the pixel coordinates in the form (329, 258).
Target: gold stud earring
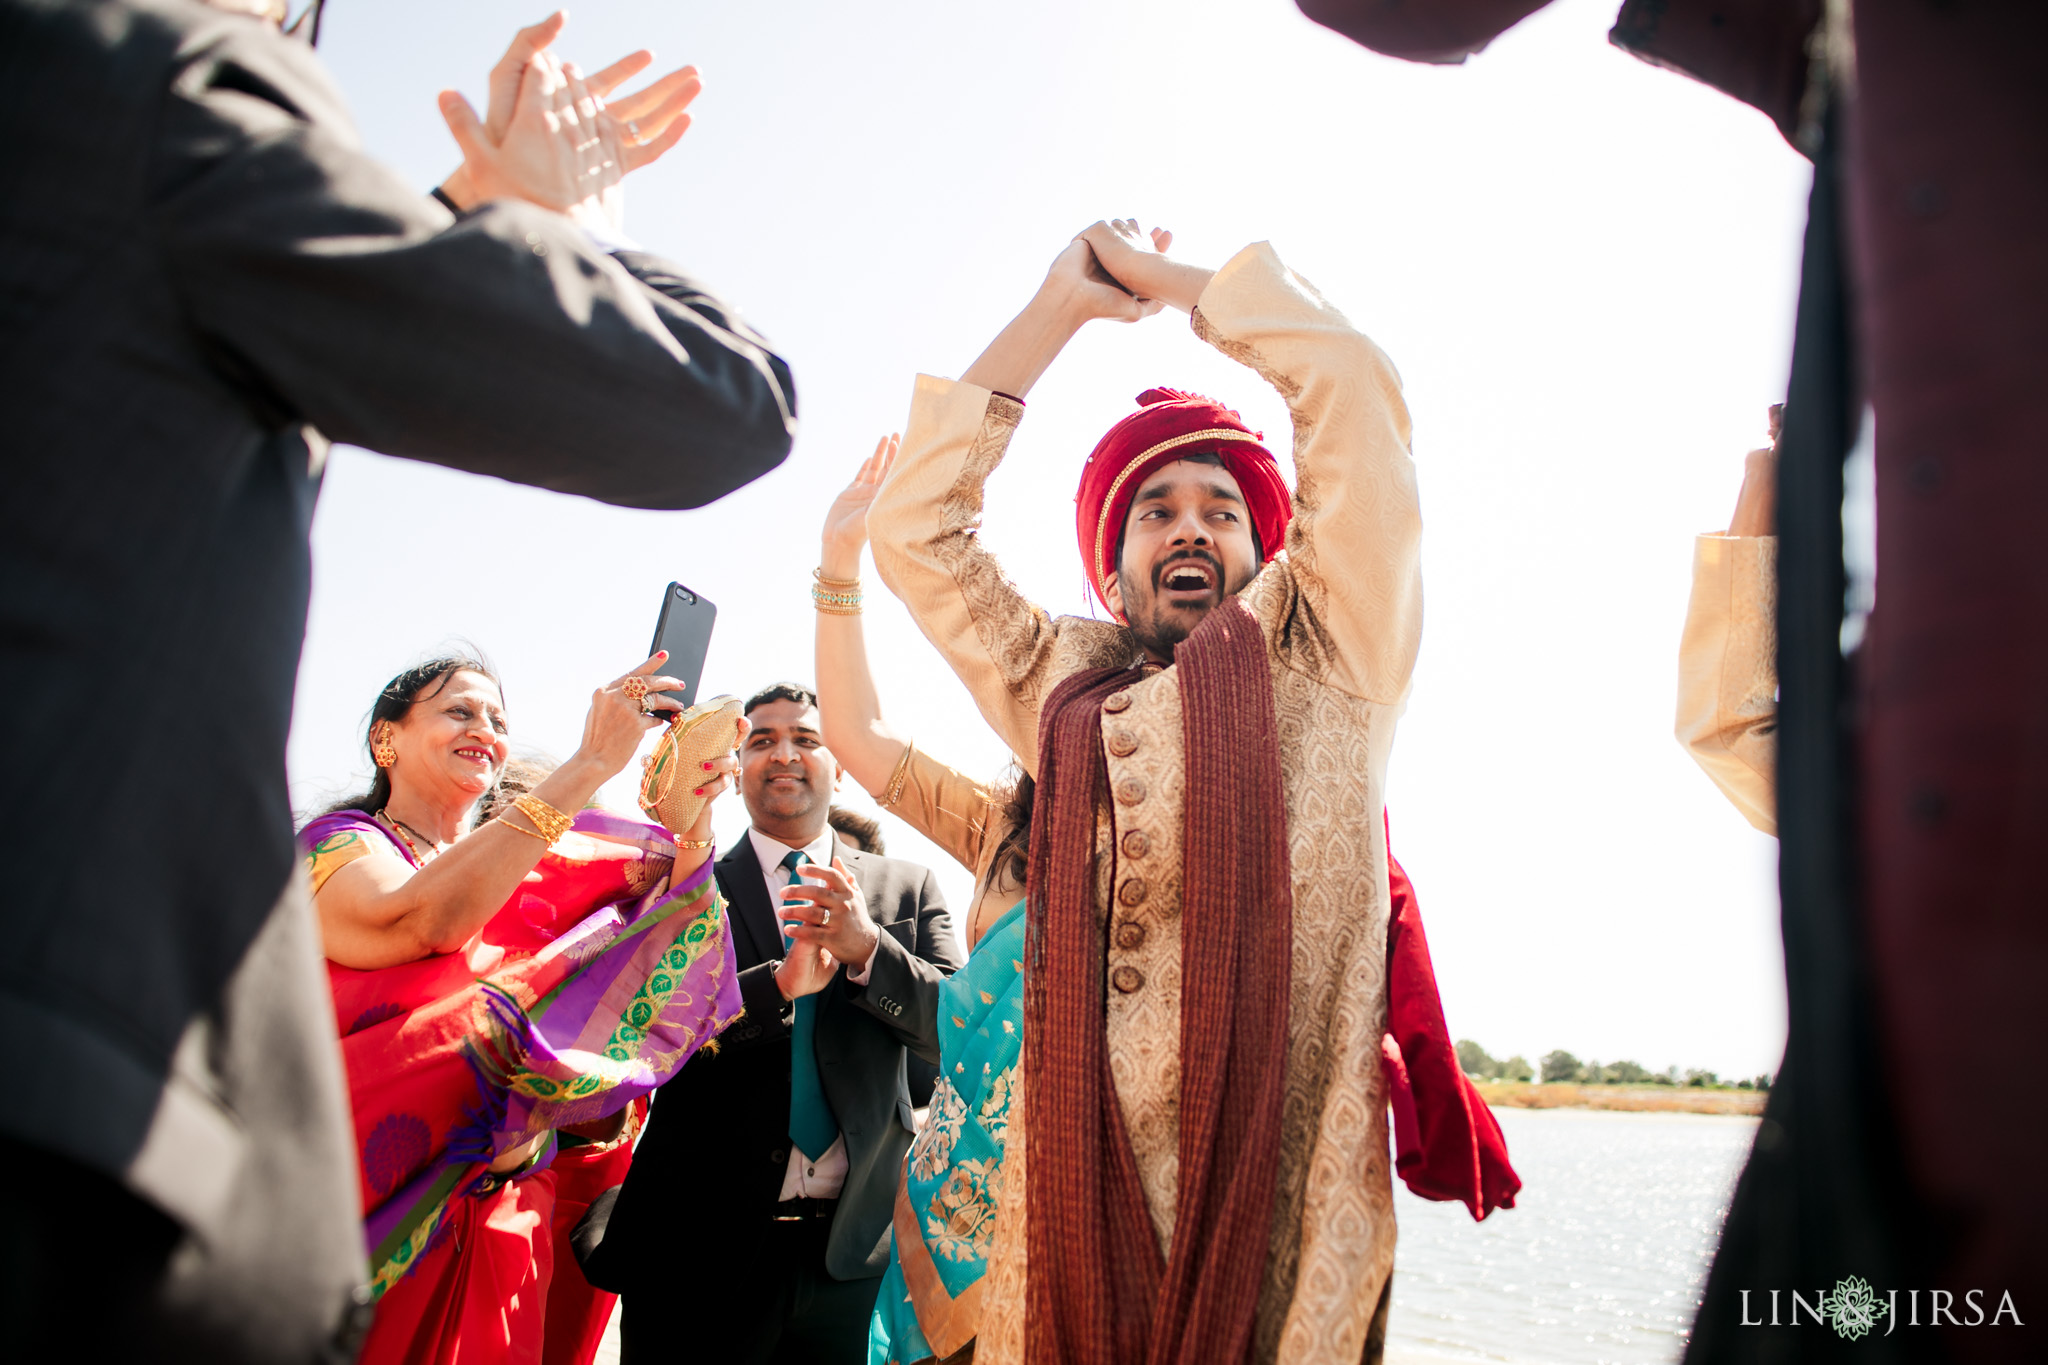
(381, 747)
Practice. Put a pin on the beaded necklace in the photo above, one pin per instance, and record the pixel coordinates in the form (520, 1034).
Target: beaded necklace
(400, 828)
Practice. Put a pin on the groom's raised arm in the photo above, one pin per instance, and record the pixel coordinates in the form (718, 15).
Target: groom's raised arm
(1354, 545)
(925, 530)
(925, 525)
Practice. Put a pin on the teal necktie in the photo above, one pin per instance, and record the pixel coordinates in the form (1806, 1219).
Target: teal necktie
(811, 1125)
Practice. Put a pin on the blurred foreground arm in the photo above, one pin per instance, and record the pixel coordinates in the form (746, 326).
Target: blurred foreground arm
(506, 344)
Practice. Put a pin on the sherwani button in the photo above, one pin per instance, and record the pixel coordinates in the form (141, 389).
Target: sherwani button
(1130, 792)
(1133, 891)
(1130, 934)
(1122, 743)
(1117, 701)
(1127, 979)
(1137, 844)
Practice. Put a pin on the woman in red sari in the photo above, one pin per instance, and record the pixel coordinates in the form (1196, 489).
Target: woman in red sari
(458, 936)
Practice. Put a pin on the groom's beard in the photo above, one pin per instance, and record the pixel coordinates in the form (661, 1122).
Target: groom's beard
(1160, 625)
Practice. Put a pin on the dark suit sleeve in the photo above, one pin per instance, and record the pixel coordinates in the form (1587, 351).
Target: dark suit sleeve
(1441, 31)
(767, 1016)
(505, 343)
(903, 985)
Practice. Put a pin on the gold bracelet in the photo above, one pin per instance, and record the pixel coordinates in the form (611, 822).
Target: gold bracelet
(853, 583)
(551, 823)
(835, 603)
(695, 843)
(531, 834)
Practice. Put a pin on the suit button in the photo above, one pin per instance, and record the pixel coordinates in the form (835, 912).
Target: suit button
(1132, 892)
(1117, 701)
(1130, 934)
(1122, 743)
(1127, 979)
(779, 1156)
(1130, 792)
(1137, 844)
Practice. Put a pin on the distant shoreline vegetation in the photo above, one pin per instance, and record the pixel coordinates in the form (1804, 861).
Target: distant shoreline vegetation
(1560, 1068)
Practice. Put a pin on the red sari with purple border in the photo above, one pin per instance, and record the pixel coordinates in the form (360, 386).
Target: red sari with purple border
(594, 984)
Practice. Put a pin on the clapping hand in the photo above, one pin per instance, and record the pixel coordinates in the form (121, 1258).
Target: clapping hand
(825, 906)
(550, 136)
(846, 524)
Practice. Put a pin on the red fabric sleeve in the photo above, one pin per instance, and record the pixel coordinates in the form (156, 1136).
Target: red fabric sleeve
(1447, 1144)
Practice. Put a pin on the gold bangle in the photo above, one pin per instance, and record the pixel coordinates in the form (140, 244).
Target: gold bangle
(551, 823)
(835, 603)
(531, 834)
(695, 843)
(819, 574)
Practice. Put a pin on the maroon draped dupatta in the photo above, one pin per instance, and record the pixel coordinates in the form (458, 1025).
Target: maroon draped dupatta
(1100, 1293)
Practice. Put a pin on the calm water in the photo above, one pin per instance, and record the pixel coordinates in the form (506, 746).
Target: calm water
(1601, 1261)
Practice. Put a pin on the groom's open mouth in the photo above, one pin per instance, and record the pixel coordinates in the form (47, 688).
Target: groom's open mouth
(1189, 580)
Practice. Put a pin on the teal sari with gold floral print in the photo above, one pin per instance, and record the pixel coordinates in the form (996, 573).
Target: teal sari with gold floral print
(929, 1305)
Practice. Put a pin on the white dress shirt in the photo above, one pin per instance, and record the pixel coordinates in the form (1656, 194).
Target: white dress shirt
(824, 1176)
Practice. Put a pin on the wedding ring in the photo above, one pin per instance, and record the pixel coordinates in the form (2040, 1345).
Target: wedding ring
(647, 707)
(634, 687)
(633, 127)
(824, 919)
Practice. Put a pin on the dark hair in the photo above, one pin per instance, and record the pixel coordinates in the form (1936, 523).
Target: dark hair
(421, 682)
(517, 778)
(862, 831)
(1208, 457)
(1016, 845)
(782, 691)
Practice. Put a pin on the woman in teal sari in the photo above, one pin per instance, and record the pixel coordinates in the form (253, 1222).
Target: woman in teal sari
(929, 1303)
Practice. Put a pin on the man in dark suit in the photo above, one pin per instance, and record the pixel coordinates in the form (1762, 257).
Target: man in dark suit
(203, 280)
(783, 1150)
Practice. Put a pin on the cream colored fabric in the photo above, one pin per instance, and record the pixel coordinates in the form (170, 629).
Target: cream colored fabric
(1728, 671)
(965, 818)
(1342, 612)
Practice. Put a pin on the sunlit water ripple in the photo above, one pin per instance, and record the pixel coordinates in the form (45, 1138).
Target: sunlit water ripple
(1601, 1261)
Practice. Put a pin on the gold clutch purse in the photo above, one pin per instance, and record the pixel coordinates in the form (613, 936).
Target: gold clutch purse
(675, 770)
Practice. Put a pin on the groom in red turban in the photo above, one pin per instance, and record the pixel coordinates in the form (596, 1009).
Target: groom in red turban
(1177, 451)
(1205, 1176)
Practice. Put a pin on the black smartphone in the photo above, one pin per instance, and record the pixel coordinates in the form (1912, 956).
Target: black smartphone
(684, 630)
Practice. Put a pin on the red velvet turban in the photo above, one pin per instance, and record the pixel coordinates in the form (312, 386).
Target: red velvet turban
(1171, 425)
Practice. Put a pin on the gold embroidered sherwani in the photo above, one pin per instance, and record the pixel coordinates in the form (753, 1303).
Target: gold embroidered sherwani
(1728, 671)
(1342, 610)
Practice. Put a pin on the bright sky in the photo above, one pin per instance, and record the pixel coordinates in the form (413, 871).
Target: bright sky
(1584, 268)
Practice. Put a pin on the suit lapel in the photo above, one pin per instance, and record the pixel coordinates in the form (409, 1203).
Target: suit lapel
(747, 895)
